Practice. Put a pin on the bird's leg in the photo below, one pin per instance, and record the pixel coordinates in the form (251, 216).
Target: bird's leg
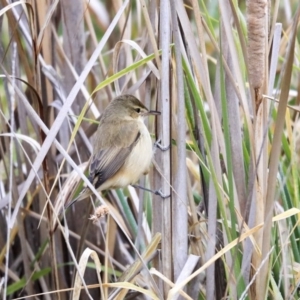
(160, 146)
(157, 192)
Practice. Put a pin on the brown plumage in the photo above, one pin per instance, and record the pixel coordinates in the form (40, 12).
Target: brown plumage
(122, 149)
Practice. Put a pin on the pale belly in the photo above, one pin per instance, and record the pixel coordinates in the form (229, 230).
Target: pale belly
(137, 163)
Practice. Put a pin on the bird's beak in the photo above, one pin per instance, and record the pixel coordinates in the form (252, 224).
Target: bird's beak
(153, 112)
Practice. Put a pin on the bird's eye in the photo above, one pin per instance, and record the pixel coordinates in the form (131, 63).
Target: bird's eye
(138, 110)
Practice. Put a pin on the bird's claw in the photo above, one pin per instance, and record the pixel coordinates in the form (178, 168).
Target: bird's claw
(160, 146)
(157, 192)
(160, 193)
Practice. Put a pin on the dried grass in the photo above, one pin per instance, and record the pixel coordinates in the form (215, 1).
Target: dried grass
(227, 225)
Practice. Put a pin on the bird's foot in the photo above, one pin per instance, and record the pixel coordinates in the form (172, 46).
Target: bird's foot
(157, 192)
(160, 146)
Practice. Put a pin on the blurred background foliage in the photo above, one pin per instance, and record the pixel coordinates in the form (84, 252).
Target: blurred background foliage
(225, 75)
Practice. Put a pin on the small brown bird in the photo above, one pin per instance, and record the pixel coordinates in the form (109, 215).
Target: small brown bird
(122, 149)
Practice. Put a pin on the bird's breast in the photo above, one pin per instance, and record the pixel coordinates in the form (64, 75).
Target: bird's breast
(139, 160)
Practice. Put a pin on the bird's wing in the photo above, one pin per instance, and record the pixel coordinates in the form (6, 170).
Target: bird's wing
(111, 152)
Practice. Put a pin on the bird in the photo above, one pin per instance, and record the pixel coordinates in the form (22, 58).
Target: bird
(122, 149)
